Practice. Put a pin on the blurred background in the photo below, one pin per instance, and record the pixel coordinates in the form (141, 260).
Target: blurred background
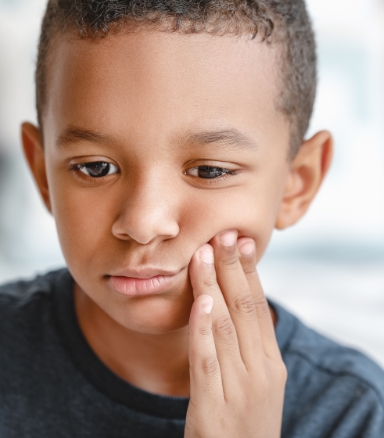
(328, 270)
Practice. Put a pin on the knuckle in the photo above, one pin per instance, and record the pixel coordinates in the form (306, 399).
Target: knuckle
(282, 372)
(250, 268)
(209, 364)
(205, 330)
(194, 406)
(278, 372)
(245, 303)
(210, 282)
(263, 384)
(224, 328)
(262, 307)
(230, 261)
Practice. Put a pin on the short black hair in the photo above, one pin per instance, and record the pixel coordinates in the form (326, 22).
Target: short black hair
(283, 22)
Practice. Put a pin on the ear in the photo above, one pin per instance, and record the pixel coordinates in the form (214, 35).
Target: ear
(307, 172)
(34, 154)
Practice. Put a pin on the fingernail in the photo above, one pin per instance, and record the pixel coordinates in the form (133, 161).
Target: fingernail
(228, 238)
(247, 249)
(207, 304)
(206, 256)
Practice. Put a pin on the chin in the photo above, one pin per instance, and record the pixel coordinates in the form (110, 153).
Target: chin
(156, 315)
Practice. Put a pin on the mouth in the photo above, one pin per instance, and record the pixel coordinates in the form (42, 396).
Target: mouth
(141, 283)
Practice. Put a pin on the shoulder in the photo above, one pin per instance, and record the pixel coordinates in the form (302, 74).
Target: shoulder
(26, 303)
(325, 356)
(22, 292)
(338, 385)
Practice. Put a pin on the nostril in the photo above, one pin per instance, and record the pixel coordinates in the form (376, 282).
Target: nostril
(145, 229)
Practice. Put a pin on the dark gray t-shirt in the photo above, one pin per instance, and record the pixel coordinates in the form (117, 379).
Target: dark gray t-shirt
(52, 385)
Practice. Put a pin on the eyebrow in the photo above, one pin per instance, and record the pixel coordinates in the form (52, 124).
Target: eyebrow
(72, 135)
(231, 137)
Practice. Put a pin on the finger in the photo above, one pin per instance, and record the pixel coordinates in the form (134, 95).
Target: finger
(203, 280)
(247, 251)
(238, 296)
(203, 362)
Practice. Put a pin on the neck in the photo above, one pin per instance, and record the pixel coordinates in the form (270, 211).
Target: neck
(154, 363)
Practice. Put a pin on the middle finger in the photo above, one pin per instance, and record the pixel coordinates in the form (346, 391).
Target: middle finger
(238, 296)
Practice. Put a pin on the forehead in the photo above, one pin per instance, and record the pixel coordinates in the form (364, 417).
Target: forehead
(152, 83)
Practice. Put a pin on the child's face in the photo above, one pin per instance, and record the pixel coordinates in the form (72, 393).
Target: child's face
(153, 107)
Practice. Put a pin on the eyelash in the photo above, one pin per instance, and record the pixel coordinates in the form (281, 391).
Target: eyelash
(227, 173)
(77, 169)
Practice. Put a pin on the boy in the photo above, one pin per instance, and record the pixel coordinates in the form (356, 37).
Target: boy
(170, 145)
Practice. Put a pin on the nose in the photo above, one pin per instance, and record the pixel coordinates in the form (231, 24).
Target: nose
(148, 213)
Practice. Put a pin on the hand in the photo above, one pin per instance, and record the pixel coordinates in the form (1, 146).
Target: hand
(237, 374)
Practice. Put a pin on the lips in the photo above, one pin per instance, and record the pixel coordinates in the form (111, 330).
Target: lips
(143, 272)
(141, 283)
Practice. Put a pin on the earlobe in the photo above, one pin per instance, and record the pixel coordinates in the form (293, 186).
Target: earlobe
(34, 154)
(306, 174)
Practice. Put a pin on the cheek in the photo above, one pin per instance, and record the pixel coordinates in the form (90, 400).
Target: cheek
(83, 221)
(251, 211)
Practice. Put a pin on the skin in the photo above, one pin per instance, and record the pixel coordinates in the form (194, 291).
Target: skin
(147, 101)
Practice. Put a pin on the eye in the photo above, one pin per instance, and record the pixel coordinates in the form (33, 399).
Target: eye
(208, 172)
(97, 169)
